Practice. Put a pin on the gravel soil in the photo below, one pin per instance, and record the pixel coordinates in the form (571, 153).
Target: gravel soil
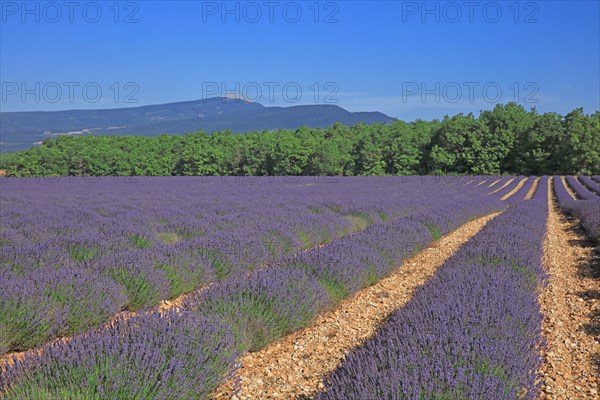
(571, 306)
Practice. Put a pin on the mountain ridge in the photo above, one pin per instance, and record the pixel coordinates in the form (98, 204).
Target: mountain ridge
(22, 129)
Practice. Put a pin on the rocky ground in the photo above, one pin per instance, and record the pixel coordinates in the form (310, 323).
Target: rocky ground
(571, 305)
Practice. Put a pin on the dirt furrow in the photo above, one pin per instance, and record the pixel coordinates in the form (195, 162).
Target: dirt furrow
(531, 192)
(571, 307)
(514, 190)
(294, 366)
(503, 186)
(568, 187)
(493, 183)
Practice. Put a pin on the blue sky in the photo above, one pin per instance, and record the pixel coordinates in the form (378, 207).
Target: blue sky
(407, 59)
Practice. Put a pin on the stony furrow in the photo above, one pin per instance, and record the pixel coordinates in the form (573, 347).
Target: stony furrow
(571, 307)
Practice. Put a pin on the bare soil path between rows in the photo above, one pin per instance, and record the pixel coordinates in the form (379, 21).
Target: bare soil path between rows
(503, 186)
(571, 307)
(294, 366)
(568, 188)
(493, 183)
(514, 190)
(533, 189)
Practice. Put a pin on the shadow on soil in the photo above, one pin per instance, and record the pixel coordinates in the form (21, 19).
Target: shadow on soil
(589, 269)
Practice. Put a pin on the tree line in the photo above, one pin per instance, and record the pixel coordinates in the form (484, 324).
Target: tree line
(505, 140)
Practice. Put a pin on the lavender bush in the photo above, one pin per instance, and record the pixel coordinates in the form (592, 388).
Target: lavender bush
(506, 190)
(523, 191)
(590, 184)
(472, 332)
(561, 193)
(581, 191)
(541, 193)
(357, 261)
(150, 356)
(262, 306)
(587, 211)
(51, 302)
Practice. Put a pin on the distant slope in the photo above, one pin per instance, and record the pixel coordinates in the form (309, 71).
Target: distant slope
(20, 130)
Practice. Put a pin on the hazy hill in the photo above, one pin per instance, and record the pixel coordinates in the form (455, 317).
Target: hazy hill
(20, 130)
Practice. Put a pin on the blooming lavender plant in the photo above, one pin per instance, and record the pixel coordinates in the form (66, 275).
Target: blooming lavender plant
(150, 356)
(590, 184)
(508, 188)
(561, 193)
(523, 191)
(54, 301)
(541, 192)
(157, 244)
(262, 306)
(472, 332)
(354, 262)
(583, 192)
(587, 211)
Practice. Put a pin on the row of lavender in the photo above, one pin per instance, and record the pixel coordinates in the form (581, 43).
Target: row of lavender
(266, 305)
(247, 312)
(472, 332)
(586, 208)
(591, 184)
(101, 252)
(526, 188)
(584, 189)
(74, 252)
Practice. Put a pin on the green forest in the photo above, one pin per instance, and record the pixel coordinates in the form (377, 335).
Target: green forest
(505, 140)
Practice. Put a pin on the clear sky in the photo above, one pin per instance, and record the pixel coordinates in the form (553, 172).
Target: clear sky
(407, 59)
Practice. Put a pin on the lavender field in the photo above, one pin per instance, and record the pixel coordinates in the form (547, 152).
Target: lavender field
(156, 286)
